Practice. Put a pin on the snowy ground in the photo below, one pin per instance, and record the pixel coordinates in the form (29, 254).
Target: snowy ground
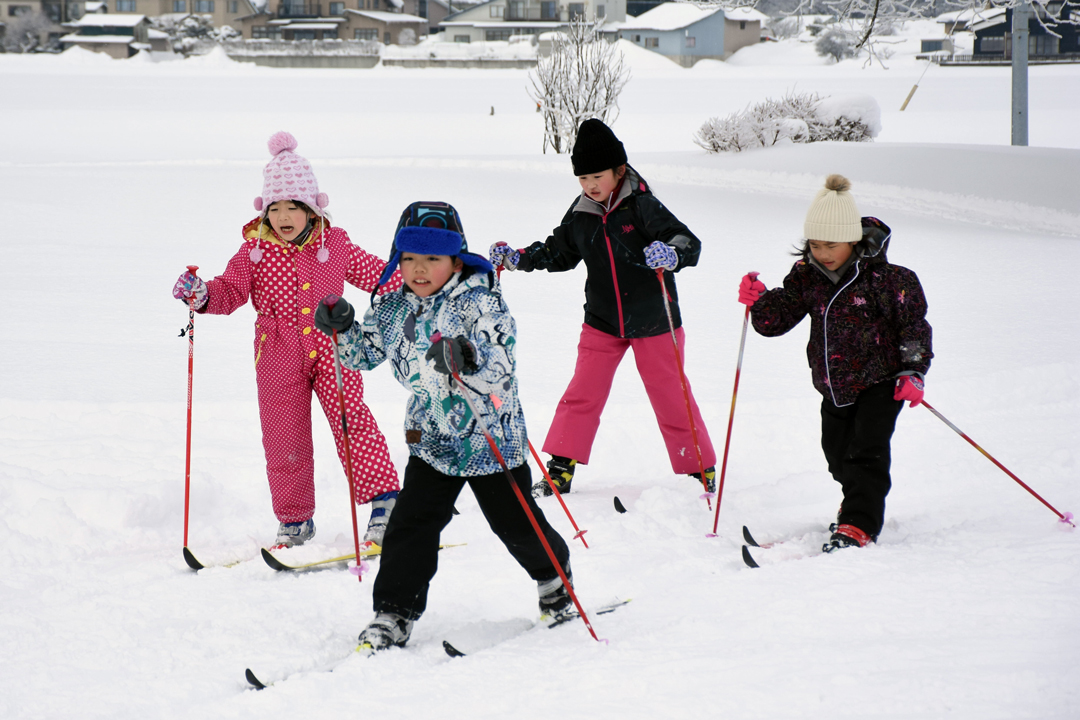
(117, 174)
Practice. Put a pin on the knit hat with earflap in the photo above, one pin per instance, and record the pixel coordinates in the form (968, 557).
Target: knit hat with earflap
(288, 176)
(833, 216)
(596, 149)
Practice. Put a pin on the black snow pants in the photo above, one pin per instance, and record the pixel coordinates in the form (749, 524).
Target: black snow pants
(856, 439)
(424, 507)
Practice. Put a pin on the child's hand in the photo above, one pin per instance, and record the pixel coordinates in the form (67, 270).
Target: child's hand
(190, 286)
(458, 352)
(658, 255)
(334, 313)
(502, 254)
(750, 289)
(909, 387)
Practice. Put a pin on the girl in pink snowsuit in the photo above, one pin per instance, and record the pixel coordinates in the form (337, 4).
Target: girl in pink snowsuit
(290, 259)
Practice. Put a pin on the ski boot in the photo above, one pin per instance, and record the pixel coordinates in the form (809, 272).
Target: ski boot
(561, 470)
(294, 534)
(710, 479)
(847, 536)
(556, 605)
(381, 507)
(385, 631)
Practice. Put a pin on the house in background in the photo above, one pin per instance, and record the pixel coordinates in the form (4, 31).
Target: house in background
(221, 12)
(435, 11)
(502, 19)
(688, 32)
(334, 21)
(117, 35)
(993, 37)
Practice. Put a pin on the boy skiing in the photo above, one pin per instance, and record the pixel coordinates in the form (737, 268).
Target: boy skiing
(449, 316)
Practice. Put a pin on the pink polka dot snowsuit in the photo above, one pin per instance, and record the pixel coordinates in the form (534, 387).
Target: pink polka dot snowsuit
(293, 358)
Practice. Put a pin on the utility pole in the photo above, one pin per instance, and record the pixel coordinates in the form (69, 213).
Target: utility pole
(1020, 16)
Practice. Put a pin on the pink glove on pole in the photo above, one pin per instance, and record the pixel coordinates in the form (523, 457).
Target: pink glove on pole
(909, 387)
(189, 285)
(750, 289)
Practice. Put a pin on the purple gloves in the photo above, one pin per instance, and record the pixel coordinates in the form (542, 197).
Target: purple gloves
(909, 387)
(190, 286)
(658, 255)
(502, 254)
(750, 289)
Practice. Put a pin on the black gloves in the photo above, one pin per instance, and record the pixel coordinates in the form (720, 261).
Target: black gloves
(462, 355)
(334, 313)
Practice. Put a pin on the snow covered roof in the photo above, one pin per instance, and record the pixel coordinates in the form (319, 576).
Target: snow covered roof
(746, 13)
(98, 39)
(311, 26)
(507, 24)
(988, 19)
(667, 16)
(108, 20)
(388, 17)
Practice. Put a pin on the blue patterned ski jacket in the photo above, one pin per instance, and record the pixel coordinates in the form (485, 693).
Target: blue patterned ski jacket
(439, 427)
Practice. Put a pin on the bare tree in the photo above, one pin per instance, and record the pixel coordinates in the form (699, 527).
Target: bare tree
(581, 79)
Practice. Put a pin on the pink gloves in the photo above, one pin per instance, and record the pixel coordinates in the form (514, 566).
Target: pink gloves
(909, 387)
(190, 286)
(750, 289)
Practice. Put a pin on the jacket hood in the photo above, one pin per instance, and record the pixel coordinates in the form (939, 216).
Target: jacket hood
(632, 183)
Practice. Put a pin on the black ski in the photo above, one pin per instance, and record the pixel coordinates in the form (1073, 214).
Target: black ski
(255, 682)
(748, 558)
(191, 561)
(619, 507)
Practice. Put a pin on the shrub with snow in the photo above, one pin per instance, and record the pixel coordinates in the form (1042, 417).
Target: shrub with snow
(837, 43)
(191, 34)
(796, 118)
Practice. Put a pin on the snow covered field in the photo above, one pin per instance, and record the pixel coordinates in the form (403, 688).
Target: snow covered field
(118, 174)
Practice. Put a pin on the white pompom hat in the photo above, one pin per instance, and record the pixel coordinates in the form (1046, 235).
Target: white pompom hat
(833, 216)
(288, 176)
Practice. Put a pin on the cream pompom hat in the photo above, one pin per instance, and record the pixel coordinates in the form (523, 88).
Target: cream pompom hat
(833, 216)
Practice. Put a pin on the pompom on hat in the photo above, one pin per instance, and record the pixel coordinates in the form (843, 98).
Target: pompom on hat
(288, 176)
(596, 149)
(833, 216)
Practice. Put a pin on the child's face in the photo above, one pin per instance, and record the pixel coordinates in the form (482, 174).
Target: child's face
(426, 274)
(831, 255)
(287, 218)
(599, 186)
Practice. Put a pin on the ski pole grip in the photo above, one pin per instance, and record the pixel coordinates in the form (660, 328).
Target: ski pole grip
(330, 301)
(193, 269)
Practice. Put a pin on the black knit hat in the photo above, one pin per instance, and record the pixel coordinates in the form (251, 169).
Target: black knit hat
(596, 149)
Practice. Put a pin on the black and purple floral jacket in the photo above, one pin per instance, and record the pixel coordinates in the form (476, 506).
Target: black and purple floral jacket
(867, 328)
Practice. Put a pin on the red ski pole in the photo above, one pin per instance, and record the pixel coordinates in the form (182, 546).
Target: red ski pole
(579, 534)
(731, 418)
(682, 379)
(330, 301)
(517, 491)
(1066, 518)
(193, 269)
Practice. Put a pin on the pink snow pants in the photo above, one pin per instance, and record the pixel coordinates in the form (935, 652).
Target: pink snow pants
(288, 366)
(578, 416)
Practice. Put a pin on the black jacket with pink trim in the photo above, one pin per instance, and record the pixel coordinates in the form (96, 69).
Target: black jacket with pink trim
(622, 293)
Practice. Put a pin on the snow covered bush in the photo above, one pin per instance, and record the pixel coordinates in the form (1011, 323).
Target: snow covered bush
(581, 79)
(191, 34)
(802, 118)
(836, 43)
(24, 31)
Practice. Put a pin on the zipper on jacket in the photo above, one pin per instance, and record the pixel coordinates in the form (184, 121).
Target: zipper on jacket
(259, 353)
(614, 277)
(825, 333)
